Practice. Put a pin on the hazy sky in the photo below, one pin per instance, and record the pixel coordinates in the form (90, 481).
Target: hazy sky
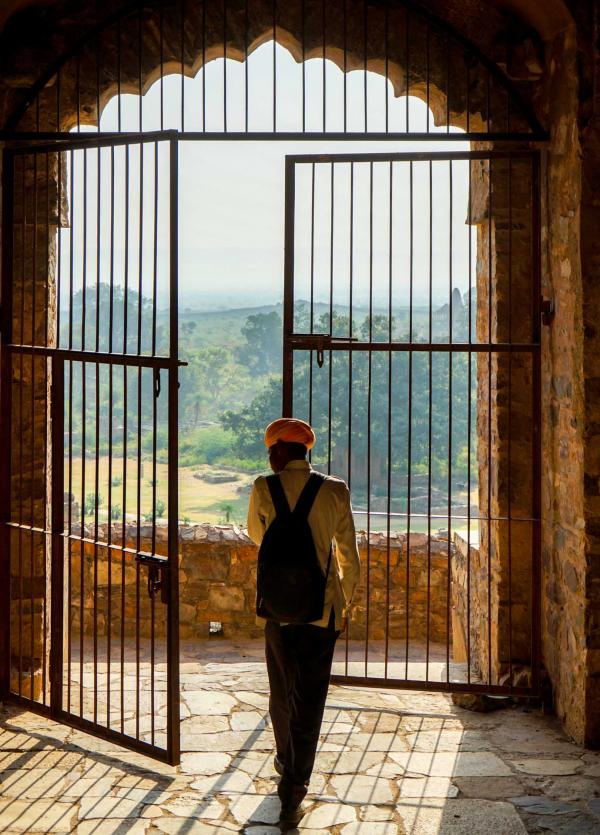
(231, 194)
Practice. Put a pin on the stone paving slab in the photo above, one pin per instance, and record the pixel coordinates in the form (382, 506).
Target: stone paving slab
(389, 763)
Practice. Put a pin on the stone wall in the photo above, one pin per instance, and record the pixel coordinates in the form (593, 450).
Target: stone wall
(563, 440)
(502, 209)
(218, 582)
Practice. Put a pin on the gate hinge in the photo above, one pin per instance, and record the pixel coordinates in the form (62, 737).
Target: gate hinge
(547, 310)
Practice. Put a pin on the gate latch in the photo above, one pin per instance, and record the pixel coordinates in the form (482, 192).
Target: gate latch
(547, 310)
(157, 575)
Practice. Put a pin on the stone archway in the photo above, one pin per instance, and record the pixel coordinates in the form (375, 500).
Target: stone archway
(528, 5)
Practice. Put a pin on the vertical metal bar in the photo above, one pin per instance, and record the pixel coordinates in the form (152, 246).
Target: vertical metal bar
(509, 427)
(409, 427)
(57, 406)
(225, 66)
(98, 82)
(173, 529)
(82, 532)
(274, 66)
(78, 89)
(324, 69)
(109, 348)
(390, 403)
(32, 410)
(47, 521)
(119, 68)
(468, 102)
(489, 423)
(140, 89)
(246, 78)
(427, 76)
(204, 66)
(369, 404)
(365, 59)
(21, 421)
(161, 26)
(407, 54)
(536, 394)
(97, 418)
(303, 13)
(386, 37)
(96, 497)
(84, 256)
(488, 101)
(345, 70)
(312, 294)
(429, 421)
(350, 361)
(182, 12)
(6, 417)
(58, 87)
(125, 433)
(450, 362)
(140, 290)
(71, 246)
(331, 355)
(70, 528)
(288, 289)
(123, 542)
(153, 549)
(447, 46)
(469, 416)
(57, 341)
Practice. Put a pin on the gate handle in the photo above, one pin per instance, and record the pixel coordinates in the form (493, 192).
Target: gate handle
(157, 575)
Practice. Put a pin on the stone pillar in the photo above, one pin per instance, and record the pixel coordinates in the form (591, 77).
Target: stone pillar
(505, 273)
(35, 211)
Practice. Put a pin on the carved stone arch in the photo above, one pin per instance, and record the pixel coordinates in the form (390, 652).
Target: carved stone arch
(418, 54)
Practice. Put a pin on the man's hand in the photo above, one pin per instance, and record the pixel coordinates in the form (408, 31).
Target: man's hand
(344, 624)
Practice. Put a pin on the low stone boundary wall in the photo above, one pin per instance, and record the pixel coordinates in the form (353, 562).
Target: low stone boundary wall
(218, 579)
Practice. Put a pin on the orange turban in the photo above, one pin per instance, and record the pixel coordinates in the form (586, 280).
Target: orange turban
(290, 430)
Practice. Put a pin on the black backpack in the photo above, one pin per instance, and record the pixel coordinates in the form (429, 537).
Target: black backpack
(290, 581)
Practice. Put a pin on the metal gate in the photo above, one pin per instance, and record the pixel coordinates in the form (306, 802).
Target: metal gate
(412, 344)
(89, 403)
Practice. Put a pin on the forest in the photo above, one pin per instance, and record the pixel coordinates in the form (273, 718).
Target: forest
(390, 423)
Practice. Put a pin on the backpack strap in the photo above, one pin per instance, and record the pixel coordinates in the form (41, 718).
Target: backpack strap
(308, 495)
(305, 503)
(278, 497)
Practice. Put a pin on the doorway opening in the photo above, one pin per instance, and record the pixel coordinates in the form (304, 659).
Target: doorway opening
(407, 333)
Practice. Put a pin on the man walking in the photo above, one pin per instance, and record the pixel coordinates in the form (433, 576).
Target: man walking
(299, 654)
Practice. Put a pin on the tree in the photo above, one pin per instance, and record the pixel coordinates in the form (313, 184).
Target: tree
(262, 335)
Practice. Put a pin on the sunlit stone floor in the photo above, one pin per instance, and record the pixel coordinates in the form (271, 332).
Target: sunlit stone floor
(389, 763)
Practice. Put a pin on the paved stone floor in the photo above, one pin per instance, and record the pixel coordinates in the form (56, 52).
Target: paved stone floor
(389, 762)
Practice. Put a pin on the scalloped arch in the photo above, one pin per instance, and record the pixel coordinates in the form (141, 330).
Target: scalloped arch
(417, 53)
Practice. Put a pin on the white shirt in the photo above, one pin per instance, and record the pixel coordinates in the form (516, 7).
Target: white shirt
(330, 518)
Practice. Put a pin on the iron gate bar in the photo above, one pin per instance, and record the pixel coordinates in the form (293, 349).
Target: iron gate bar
(536, 395)
(310, 342)
(316, 341)
(92, 358)
(280, 136)
(61, 359)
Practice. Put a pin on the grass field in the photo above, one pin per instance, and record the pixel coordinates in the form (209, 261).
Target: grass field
(199, 500)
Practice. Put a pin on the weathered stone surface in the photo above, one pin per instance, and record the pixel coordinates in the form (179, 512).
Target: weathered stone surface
(370, 828)
(549, 767)
(362, 789)
(37, 816)
(328, 814)
(460, 817)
